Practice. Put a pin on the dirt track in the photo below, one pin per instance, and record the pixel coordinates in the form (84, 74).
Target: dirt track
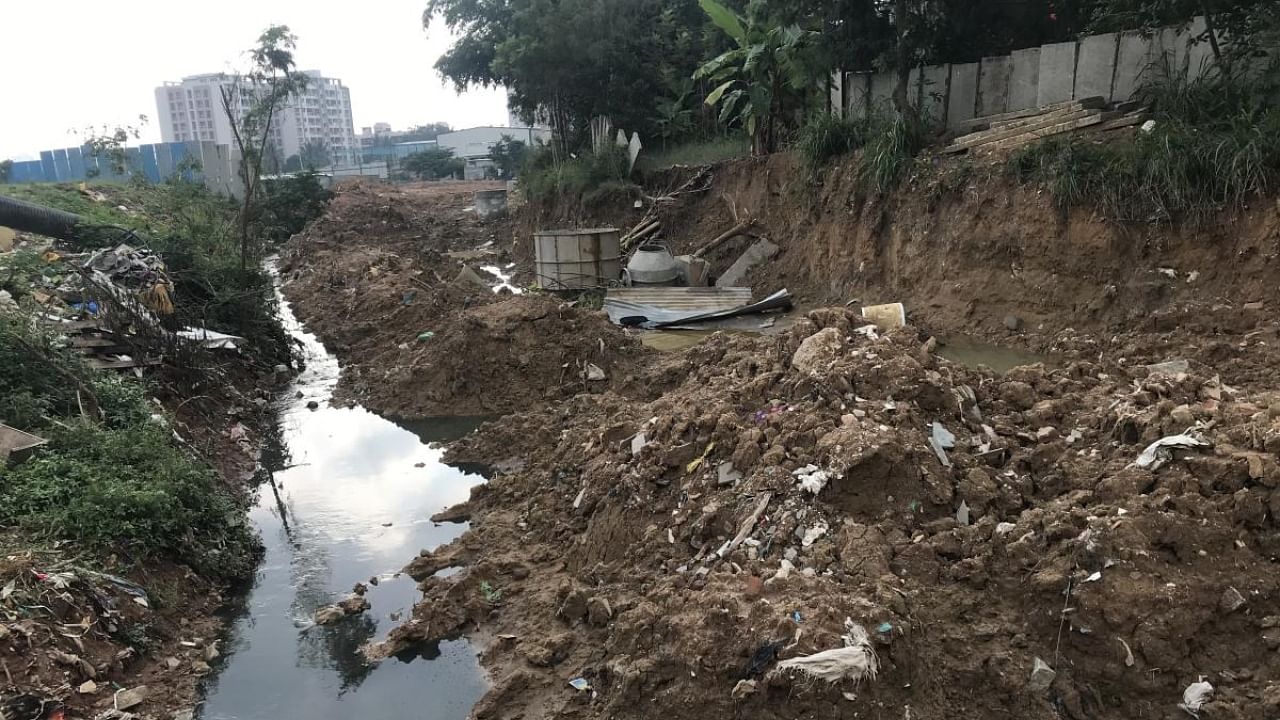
(595, 556)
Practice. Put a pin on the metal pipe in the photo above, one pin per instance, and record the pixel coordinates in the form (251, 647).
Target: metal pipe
(32, 218)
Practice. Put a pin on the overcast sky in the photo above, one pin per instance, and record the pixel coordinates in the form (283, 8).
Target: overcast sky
(74, 63)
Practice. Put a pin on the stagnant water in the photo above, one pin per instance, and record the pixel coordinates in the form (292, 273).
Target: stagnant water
(350, 504)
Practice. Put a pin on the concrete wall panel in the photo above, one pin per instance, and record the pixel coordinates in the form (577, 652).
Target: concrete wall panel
(1057, 79)
(857, 93)
(962, 98)
(1096, 66)
(934, 86)
(994, 77)
(882, 91)
(1024, 79)
(1133, 63)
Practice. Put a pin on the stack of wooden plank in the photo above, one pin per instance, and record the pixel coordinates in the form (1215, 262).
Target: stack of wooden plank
(1012, 129)
(100, 347)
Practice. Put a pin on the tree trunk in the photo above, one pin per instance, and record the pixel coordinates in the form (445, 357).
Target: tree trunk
(1211, 30)
(902, 57)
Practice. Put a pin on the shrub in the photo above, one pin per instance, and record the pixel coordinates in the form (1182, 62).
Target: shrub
(545, 179)
(893, 142)
(1215, 145)
(827, 136)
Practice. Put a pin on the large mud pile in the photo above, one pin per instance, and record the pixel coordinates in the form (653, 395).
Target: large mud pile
(393, 281)
(680, 556)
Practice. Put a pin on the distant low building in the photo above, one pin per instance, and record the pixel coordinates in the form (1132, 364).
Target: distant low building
(475, 145)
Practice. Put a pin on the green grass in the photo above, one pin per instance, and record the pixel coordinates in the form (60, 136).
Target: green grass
(111, 480)
(827, 137)
(698, 152)
(1215, 146)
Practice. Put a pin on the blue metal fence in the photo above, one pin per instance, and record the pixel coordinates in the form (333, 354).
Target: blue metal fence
(155, 162)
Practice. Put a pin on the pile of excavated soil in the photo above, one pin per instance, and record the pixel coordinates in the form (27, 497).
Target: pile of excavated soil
(681, 556)
(419, 332)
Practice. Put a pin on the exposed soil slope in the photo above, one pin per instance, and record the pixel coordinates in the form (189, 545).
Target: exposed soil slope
(374, 274)
(1131, 582)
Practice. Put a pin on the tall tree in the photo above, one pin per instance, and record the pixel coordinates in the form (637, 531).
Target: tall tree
(767, 78)
(567, 61)
(252, 102)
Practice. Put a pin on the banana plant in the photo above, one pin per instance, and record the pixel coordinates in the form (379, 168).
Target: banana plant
(766, 79)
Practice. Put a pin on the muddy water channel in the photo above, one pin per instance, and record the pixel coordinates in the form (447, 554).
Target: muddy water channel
(351, 501)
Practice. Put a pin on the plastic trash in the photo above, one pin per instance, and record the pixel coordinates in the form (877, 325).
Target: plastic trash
(579, 684)
(425, 336)
(1195, 696)
(941, 440)
(1161, 451)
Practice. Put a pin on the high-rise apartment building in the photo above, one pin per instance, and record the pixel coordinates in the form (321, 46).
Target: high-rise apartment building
(192, 110)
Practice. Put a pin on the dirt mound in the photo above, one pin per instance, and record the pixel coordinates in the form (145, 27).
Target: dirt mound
(676, 554)
(497, 358)
(393, 280)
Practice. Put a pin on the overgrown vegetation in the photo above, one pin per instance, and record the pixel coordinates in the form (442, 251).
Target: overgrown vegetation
(581, 178)
(1215, 144)
(889, 142)
(697, 152)
(111, 479)
(195, 232)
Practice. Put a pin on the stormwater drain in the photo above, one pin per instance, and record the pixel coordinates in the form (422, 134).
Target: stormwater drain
(351, 504)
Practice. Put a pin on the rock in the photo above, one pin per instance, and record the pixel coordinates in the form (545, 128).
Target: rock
(1019, 394)
(312, 405)
(88, 687)
(354, 604)
(1047, 434)
(184, 715)
(574, 607)
(130, 697)
(360, 589)
(599, 613)
(1183, 416)
(373, 581)
(1013, 322)
(282, 369)
(1041, 677)
(743, 689)
(172, 663)
(1231, 600)
(200, 667)
(818, 351)
(328, 615)
(211, 651)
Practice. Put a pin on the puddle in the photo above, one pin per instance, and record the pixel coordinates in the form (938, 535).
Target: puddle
(972, 353)
(349, 505)
(504, 278)
(673, 340)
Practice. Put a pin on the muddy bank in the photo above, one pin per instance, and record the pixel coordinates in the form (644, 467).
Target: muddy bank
(677, 554)
(393, 281)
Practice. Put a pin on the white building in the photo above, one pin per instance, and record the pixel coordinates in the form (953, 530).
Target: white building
(475, 144)
(192, 110)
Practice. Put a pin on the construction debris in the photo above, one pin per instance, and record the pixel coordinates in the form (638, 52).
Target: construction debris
(1015, 129)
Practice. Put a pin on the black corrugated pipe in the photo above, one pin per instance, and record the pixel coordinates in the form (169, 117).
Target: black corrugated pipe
(32, 218)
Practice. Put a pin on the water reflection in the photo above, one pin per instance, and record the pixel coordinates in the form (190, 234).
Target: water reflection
(352, 501)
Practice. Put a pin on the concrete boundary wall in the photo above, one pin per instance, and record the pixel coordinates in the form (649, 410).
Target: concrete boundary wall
(1112, 66)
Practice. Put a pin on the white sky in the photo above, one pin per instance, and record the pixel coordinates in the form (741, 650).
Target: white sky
(74, 63)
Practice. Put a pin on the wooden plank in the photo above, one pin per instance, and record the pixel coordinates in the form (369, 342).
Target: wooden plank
(1033, 135)
(95, 342)
(1089, 103)
(1125, 121)
(991, 136)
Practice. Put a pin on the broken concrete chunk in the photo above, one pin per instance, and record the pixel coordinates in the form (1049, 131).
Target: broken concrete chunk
(1231, 600)
(1041, 677)
(737, 273)
(595, 373)
(726, 474)
(88, 687)
(130, 697)
(818, 351)
(1171, 367)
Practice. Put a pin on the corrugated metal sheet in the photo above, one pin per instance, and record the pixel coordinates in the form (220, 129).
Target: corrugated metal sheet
(684, 300)
(674, 307)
